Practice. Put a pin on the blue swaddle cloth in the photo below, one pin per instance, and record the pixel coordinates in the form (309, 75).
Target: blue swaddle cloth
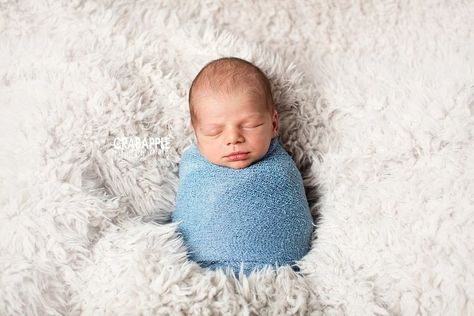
(254, 216)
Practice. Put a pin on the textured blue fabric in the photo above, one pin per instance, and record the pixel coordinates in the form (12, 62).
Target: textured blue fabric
(257, 215)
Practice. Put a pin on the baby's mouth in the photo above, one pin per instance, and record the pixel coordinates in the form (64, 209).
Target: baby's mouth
(237, 156)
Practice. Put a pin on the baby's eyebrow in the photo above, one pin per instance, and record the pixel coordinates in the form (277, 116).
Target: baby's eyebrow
(210, 125)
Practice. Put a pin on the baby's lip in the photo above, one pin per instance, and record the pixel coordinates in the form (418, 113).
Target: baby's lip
(236, 153)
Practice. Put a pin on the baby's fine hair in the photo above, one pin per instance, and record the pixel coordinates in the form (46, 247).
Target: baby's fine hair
(228, 74)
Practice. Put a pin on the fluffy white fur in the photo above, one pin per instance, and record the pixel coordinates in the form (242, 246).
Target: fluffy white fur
(376, 104)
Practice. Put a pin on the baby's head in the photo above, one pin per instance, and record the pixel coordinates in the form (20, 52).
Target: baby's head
(232, 111)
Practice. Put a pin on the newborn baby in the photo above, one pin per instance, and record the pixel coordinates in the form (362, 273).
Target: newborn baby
(241, 203)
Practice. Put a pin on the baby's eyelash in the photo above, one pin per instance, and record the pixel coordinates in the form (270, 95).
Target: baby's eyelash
(213, 133)
(253, 126)
(217, 132)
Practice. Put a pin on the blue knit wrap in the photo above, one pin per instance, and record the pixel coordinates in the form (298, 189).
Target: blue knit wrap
(253, 217)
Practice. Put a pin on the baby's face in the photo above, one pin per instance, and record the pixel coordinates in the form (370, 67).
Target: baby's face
(233, 123)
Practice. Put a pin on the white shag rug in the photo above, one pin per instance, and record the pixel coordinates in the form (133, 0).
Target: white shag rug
(377, 109)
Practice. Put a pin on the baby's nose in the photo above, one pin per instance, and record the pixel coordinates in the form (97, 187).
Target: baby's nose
(234, 137)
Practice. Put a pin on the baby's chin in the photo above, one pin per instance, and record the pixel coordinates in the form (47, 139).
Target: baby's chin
(238, 164)
(241, 164)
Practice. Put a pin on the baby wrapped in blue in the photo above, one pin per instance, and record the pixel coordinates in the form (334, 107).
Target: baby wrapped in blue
(250, 217)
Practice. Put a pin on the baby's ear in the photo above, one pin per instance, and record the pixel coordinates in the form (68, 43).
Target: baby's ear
(275, 123)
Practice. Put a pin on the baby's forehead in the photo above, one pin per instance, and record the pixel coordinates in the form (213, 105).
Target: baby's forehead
(248, 100)
(236, 89)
